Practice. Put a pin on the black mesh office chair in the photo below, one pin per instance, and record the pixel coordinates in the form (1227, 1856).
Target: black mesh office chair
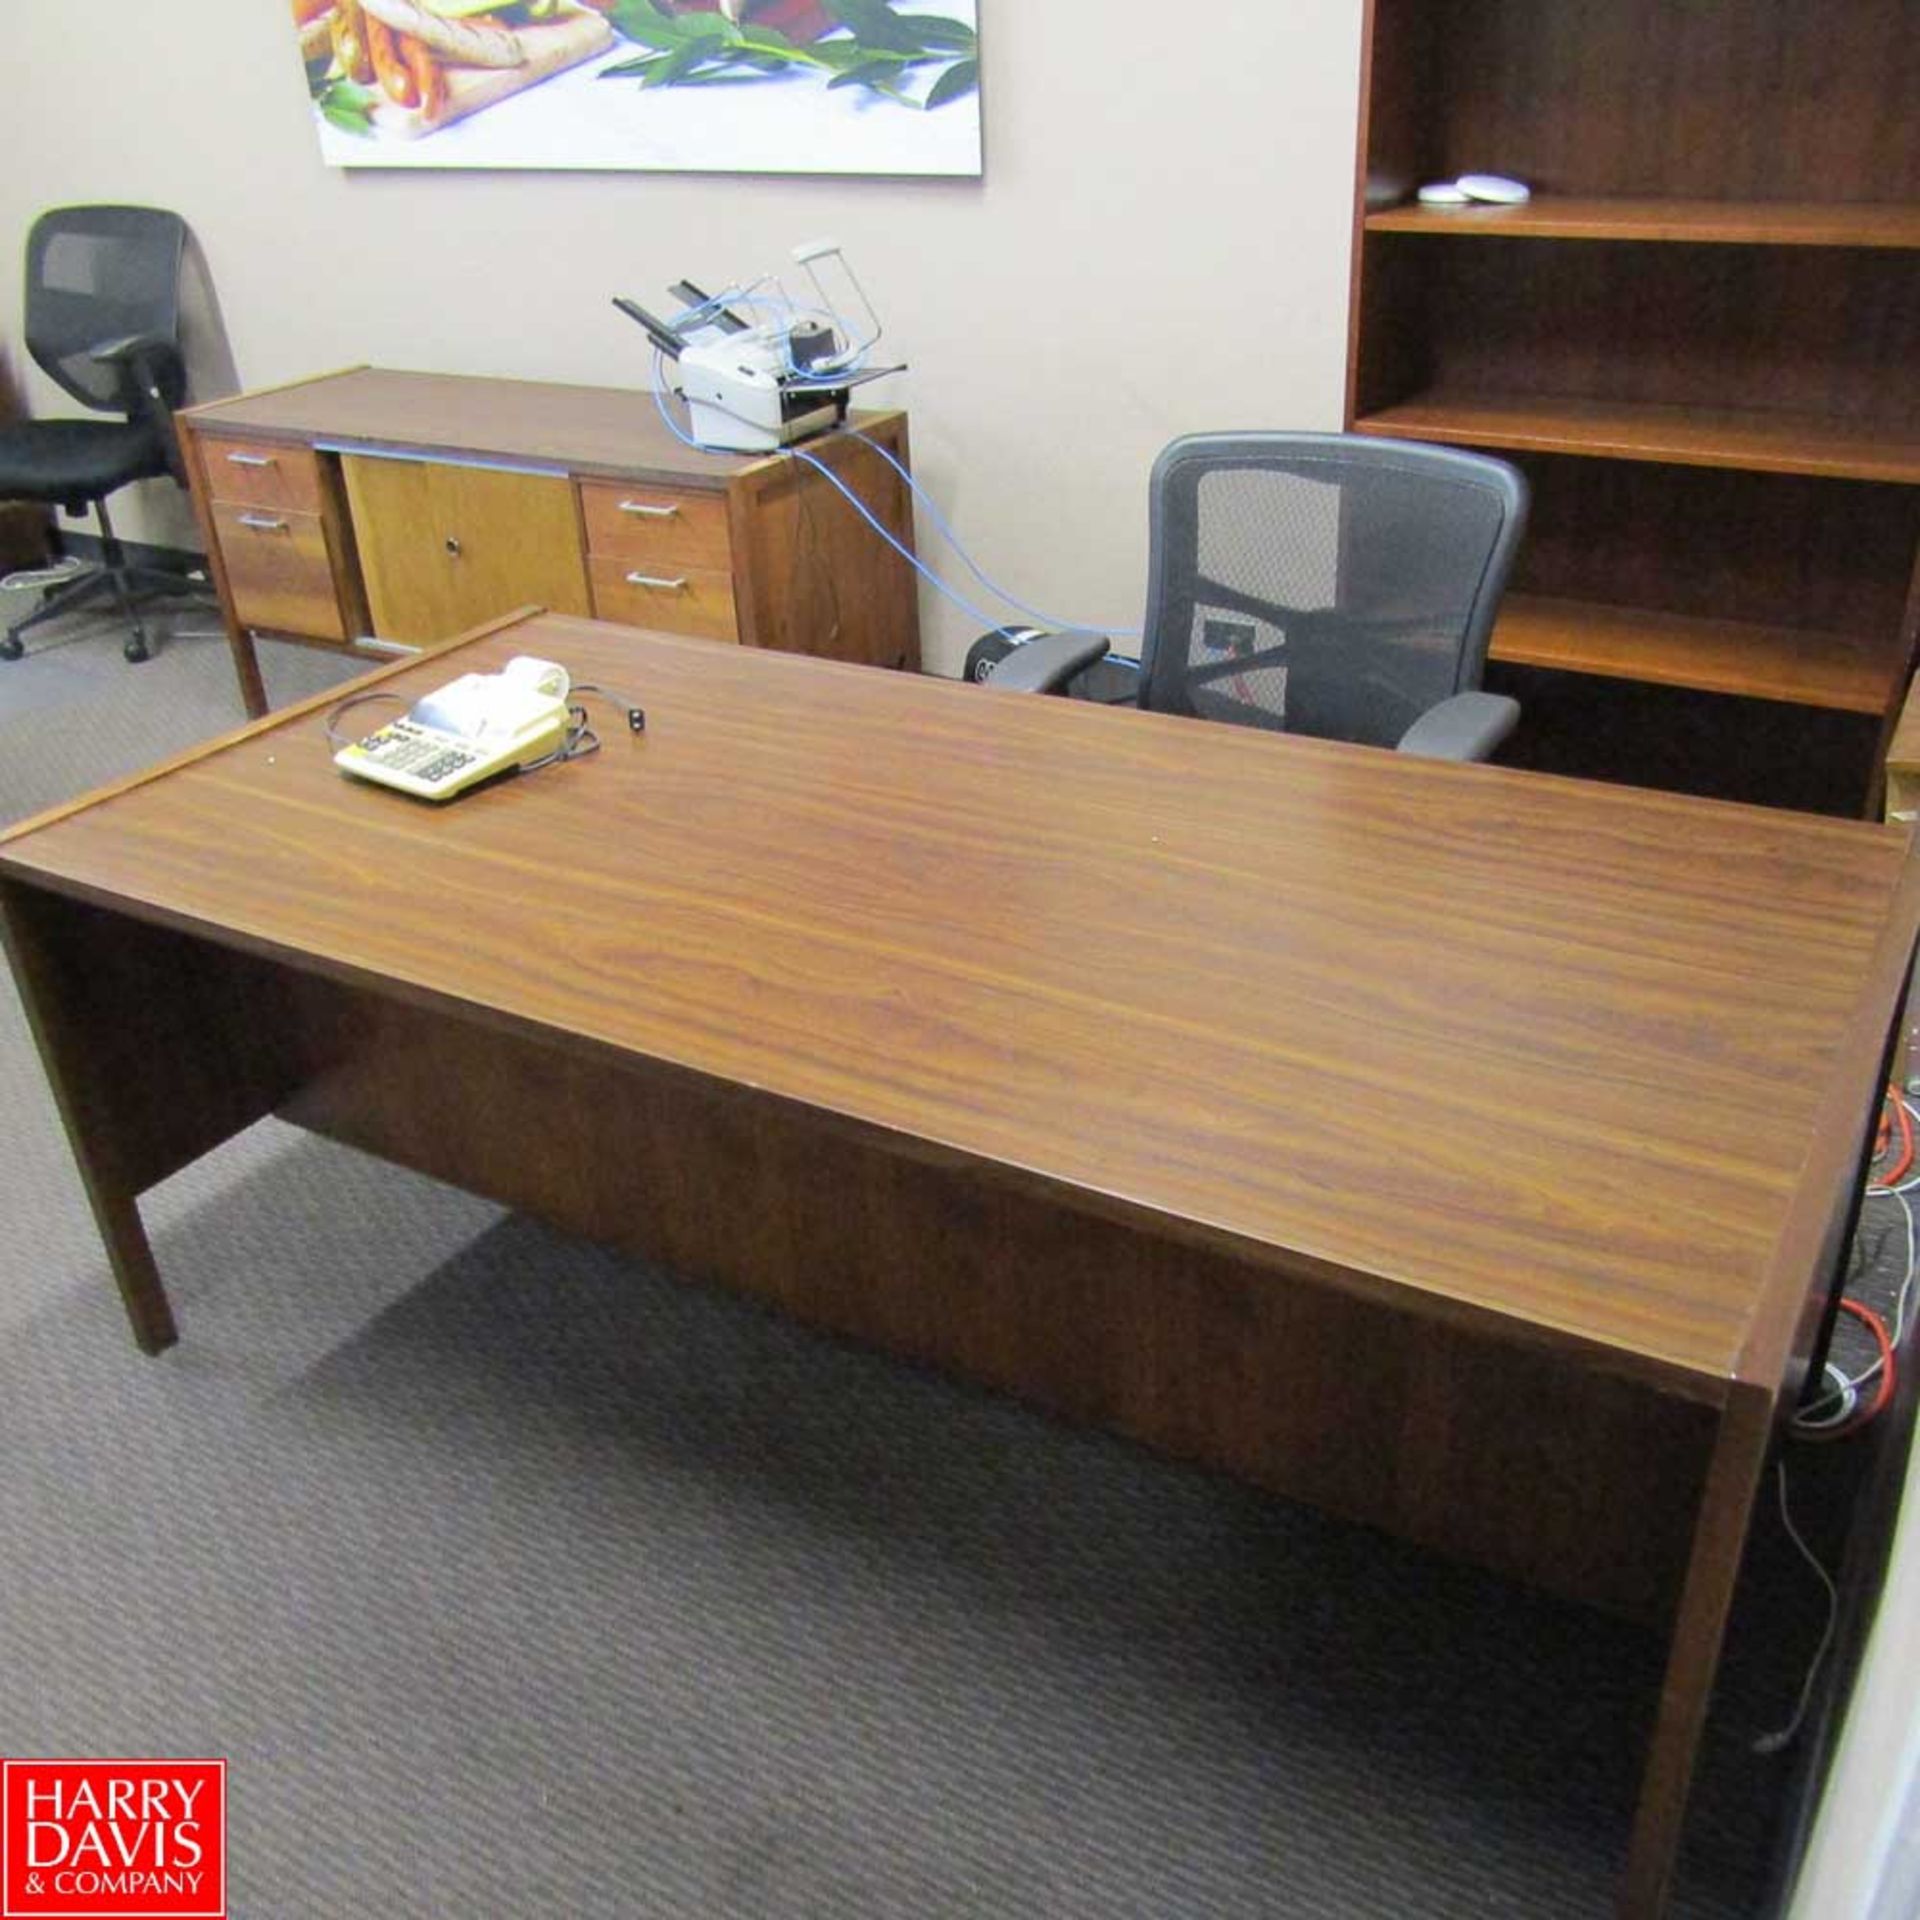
(1324, 584)
(102, 319)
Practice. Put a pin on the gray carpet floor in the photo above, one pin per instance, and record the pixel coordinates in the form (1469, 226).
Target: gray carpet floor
(512, 1577)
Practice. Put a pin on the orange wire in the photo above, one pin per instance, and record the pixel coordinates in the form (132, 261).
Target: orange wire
(1897, 1107)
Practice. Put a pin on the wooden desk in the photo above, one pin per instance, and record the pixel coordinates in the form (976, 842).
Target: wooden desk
(413, 506)
(1454, 1148)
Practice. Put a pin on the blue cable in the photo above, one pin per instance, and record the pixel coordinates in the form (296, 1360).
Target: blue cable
(919, 493)
(906, 553)
(966, 560)
(853, 500)
(749, 298)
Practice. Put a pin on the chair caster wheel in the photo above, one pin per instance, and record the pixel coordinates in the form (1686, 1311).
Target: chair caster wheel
(136, 651)
(11, 648)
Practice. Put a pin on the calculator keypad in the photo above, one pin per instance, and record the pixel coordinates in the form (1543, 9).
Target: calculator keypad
(403, 748)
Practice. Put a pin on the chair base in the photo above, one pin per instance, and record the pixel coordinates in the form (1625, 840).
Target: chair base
(132, 587)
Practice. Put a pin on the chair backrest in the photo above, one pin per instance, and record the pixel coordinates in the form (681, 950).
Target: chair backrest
(96, 274)
(1323, 583)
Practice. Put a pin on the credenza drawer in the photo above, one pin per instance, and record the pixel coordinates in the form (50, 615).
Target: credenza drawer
(696, 600)
(631, 521)
(263, 473)
(278, 569)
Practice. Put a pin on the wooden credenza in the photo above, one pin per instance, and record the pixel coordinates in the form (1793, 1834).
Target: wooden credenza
(373, 507)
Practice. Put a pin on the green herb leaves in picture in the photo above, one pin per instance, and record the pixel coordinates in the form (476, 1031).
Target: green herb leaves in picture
(848, 43)
(348, 105)
(963, 77)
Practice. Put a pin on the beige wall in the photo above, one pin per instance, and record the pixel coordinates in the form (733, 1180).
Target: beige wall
(1159, 245)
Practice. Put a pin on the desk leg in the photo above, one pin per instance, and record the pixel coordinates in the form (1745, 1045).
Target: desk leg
(157, 1047)
(246, 667)
(1719, 1540)
(246, 662)
(75, 1065)
(134, 1272)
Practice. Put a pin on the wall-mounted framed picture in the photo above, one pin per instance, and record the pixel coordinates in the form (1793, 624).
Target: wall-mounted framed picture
(726, 86)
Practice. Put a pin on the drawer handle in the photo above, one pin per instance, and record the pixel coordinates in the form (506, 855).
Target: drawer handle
(654, 580)
(252, 460)
(261, 523)
(647, 511)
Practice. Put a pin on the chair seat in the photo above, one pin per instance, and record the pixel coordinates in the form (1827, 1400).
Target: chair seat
(75, 460)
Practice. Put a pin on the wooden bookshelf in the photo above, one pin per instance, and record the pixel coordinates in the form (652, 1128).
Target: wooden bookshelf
(1697, 338)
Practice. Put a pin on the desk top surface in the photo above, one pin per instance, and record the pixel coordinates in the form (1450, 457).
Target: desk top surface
(611, 430)
(1520, 1046)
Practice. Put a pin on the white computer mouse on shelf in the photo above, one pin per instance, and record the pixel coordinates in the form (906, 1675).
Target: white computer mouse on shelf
(1495, 188)
(1443, 193)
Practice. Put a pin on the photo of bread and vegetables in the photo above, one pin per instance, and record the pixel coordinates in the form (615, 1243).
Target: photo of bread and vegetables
(387, 70)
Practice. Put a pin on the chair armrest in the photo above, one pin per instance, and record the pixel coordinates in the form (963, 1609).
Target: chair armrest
(1046, 664)
(1467, 727)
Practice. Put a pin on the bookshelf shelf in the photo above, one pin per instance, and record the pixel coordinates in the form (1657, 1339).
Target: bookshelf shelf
(1774, 223)
(1849, 673)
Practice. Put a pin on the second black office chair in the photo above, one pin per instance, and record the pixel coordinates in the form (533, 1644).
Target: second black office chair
(103, 320)
(1326, 584)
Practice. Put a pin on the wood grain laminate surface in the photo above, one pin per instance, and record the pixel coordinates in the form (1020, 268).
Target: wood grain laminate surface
(435, 501)
(1456, 1149)
(1749, 439)
(576, 429)
(1711, 291)
(1764, 100)
(1783, 223)
(1845, 671)
(1526, 1047)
